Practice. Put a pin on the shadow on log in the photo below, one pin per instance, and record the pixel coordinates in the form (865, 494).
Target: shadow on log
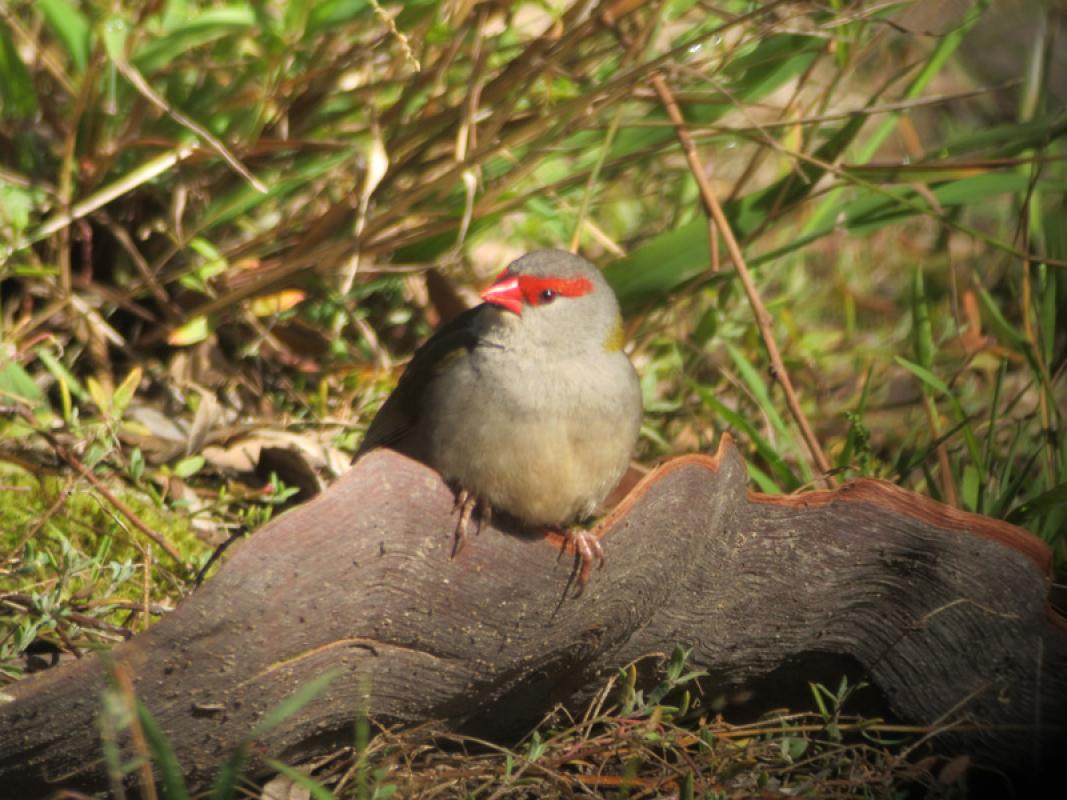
(944, 612)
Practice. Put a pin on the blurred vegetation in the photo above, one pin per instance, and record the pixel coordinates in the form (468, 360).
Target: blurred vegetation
(217, 219)
(627, 743)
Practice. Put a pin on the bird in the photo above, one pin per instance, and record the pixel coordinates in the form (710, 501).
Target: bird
(526, 403)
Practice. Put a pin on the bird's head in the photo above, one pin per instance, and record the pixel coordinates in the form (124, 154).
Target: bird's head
(557, 299)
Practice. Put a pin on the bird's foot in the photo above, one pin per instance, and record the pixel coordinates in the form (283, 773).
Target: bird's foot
(466, 502)
(587, 549)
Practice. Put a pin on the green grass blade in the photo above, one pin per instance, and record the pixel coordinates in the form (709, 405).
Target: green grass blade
(922, 337)
(1053, 498)
(1006, 140)
(332, 13)
(292, 704)
(209, 25)
(764, 481)
(229, 775)
(987, 451)
(16, 384)
(946, 45)
(927, 378)
(18, 99)
(62, 374)
(757, 386)
(1005, 332)
(787, 480)
(70, 27)
(924, 375)
(163, 757)
(770, 64)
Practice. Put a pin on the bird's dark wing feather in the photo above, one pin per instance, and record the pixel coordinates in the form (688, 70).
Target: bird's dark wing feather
(397, 421)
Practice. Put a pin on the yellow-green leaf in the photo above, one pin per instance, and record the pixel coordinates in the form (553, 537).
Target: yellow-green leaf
(195, 330)
(270, 304)
(124, 393)
(101, 396)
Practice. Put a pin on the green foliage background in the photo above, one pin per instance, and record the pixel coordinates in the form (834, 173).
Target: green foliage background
(276, 201)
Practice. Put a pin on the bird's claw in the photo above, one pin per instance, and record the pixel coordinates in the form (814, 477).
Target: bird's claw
(466, 502)
(587, 549)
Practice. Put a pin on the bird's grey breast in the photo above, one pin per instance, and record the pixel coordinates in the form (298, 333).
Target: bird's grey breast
(573, 422)
(534, 387)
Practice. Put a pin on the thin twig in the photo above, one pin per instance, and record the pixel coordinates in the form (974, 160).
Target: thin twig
(124, 684)
(763, 318)
(125, 241)
(143, 174)
(146, 589)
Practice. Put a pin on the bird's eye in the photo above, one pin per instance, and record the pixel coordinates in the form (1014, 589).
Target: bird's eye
(548, 295)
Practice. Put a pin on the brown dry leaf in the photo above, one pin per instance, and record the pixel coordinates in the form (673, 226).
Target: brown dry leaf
(241, 454)
(282, 788)
(971, 337)
(954, 771)
(302, 339)
(208, 416)
(161, 437)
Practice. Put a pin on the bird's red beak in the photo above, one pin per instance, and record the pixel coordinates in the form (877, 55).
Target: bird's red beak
(505, 292)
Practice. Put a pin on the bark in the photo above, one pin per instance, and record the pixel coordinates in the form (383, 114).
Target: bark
(944, 612)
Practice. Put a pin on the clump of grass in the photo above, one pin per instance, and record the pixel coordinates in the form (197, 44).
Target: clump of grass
(630, 743)
(162, 195)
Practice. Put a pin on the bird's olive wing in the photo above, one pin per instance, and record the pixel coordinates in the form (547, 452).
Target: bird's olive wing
(396, 424)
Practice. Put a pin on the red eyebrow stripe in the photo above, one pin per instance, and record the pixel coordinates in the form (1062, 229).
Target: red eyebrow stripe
(531, 287)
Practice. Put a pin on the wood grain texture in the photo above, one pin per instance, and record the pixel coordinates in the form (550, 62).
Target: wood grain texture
(945, 613)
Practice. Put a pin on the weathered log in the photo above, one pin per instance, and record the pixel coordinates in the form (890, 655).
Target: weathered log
(944, 612)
